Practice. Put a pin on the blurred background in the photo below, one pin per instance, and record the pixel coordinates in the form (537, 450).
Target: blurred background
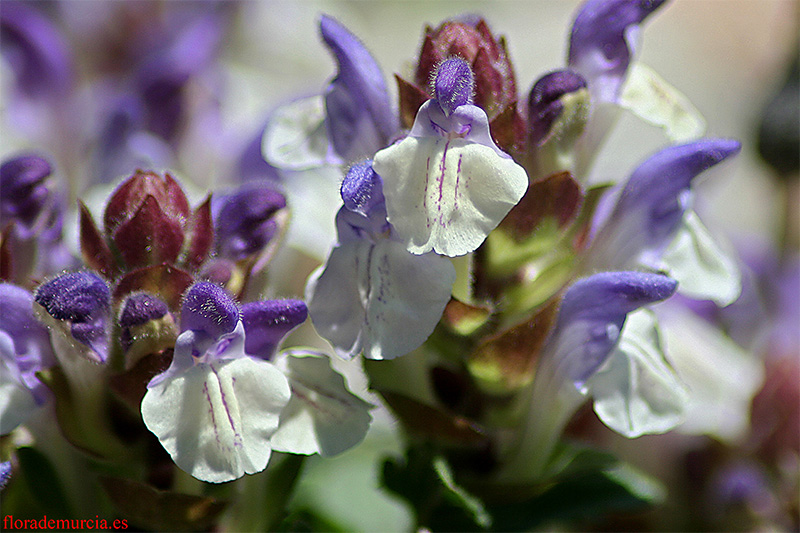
(729, 57)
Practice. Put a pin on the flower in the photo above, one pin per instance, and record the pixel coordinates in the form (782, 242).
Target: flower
(223, 404)
(24, 350)
(359, 119)
(653, 225)
(31, 218)
(214, 409)
(575, 363)
(447, 184)
(77, 305)
(603, 42)
(372, 295)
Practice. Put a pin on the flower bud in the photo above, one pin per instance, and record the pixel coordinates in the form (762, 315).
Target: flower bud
(471, 39)
(147, 222)
(146, 326)
(247, 220)
(548, 99)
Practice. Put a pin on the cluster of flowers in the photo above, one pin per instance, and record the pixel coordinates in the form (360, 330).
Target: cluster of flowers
(497, 282)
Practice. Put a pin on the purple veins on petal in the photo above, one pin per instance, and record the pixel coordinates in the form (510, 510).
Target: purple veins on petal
(209, 309)
(267, 322)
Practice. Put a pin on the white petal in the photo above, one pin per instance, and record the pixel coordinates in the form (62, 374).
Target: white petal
(295, 138)
(336, 297)
(216, 420)
(637, 392)
(323, 416)
(649, 97)
(379, 298)
(703, 270)
(446, 194)
(721, 376)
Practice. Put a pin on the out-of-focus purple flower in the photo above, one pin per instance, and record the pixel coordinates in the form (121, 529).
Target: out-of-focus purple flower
(36, 51)
(31, 221)
(24, 350)
(5, 473)
(360, 119)
(546, 102)
(81, 301)
(372, 295)
(603, 42)
(654, 201)
(247, 220)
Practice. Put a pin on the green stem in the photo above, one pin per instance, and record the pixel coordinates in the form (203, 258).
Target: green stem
(263, 497)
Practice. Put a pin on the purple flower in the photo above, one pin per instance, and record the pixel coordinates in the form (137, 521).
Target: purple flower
(591, 317)
(81, 301)
(35, 216)
(603, 41)
(453, 84)
(654, 201)
(246, 221)
(359, 119)
(36, 51)
(546, 102)
(24, 350)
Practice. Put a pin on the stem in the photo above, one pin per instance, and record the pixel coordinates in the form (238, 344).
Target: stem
(263, 497)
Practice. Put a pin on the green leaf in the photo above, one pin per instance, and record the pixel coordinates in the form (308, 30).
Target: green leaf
(460, 497)
(591, 485)
(648, 96)
(426, 481)
(704, 270)
(44, 482)
(160, 510)
(637, 391)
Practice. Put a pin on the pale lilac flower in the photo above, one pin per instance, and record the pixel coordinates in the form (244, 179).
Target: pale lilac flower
(653, 223)
(220, 404)
(447, 184)
(372, 295)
